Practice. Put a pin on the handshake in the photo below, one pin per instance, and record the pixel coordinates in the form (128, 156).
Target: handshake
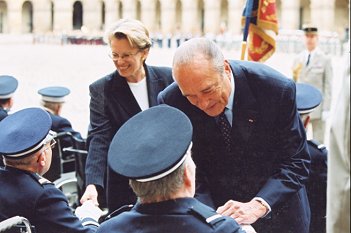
(88, 210)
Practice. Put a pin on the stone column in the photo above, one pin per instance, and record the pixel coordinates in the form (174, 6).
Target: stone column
(63, 15)
(92, 15)
(42, 16)
(212, 16)
(129, 9)
(168, 15)
(148, 15)
(290, 14)
(236, 8)
(14, 16)
(322, 14)
(190, 18)
(111, 12)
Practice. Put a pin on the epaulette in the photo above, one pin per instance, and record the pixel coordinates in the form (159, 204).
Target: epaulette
(317, 145)
(206, 214)
(118, 211)
(41, 179)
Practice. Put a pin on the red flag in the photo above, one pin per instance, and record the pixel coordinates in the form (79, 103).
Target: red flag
(262, 30)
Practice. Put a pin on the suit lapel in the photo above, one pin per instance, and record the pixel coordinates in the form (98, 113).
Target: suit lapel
(245, 114)
(120, 94)
(153, 85)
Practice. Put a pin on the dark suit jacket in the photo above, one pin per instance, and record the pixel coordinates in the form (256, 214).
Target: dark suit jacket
(112, 103)
(3, 113)
(29, 195)
(183, 215)
(269, 157)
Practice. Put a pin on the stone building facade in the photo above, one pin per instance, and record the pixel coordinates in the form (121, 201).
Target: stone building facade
(194, 17)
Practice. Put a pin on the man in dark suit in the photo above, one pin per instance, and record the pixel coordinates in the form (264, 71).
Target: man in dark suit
(162, 174)
(249, 143)
(115, 98)
(8, 86)
(26, 143)
(308, 98)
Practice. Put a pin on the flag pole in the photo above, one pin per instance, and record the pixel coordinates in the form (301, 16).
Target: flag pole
(248, 14)
(243, 50)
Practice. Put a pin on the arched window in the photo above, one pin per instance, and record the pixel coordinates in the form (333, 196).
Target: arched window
(103, 15)
(27, 17)
(77, 15)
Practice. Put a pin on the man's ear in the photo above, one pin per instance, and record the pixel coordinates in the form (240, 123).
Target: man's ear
(187, 176)
(42, 158)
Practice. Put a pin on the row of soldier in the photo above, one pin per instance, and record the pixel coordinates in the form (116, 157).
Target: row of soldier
(246, 139)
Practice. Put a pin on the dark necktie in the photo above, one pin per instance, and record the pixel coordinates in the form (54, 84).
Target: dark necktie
(308, 59)
(225, 129)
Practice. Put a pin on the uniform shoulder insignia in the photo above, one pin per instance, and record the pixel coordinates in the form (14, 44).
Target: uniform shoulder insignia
(206, 213)
(41, 179)
(317, 144)
(118, 211)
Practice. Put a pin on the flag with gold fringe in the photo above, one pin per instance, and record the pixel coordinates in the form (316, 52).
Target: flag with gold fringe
(261, 28)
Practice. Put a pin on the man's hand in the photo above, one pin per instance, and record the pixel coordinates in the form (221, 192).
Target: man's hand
(88, 210)
(90, 194)
(243, 213)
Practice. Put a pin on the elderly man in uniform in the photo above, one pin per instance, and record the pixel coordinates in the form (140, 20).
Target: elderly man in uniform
(53, 98)
(308, 98)
(25, 145)
(8, 86)
(161, 172)
(314, 67)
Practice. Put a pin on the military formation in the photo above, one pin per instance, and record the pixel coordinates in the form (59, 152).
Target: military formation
(207, 145)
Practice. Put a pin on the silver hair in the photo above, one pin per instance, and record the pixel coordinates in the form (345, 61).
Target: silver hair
(161, 189)
(199, 48)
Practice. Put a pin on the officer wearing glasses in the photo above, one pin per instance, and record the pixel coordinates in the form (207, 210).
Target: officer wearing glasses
(130, 89)
(25, 145)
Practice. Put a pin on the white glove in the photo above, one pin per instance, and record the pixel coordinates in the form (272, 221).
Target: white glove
(248, 229)
(88, 210)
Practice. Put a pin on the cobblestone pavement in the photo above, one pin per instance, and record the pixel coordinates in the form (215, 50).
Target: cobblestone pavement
(76, 66)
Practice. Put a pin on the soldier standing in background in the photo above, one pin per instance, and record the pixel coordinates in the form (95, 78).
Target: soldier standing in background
(314, 67)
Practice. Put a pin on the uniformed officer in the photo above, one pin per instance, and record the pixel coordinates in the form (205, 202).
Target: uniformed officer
(314, 67)
(8, 86)
(153, 150)
(308, 98)
(53, 98)
(25, 145)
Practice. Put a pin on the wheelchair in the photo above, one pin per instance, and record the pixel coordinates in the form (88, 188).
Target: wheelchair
(16, 224)
(67, 169)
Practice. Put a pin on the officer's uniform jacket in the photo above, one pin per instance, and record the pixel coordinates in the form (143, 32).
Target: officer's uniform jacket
(175, 216)
(317, 73)
(29, 195)
(317, 186)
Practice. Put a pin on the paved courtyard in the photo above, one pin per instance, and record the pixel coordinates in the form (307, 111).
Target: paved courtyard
(76, 66)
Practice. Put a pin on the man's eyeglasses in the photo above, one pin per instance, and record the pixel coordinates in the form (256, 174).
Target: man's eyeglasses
(52, 144)
(126, 56)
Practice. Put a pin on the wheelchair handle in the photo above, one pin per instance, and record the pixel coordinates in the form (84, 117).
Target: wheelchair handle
(11, 222)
